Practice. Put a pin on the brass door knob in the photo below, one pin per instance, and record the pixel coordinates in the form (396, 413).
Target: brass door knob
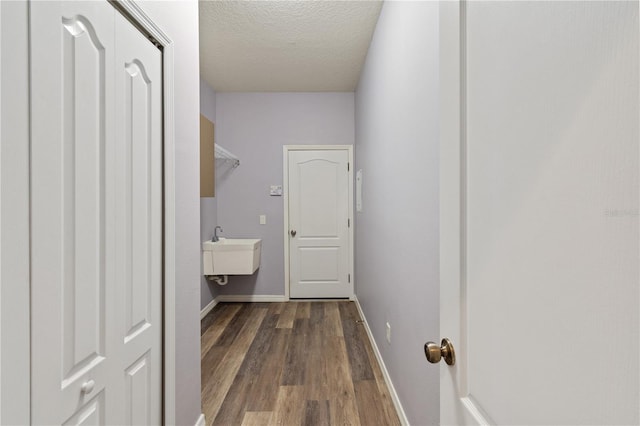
(435, 352)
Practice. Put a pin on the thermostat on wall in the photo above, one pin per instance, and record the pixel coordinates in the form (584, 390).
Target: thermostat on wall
(276, 190)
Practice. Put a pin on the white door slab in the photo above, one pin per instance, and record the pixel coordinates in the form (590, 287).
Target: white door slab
(138, 100)
(319, 221)
(91, 276)
(72, 264)
(539, 213)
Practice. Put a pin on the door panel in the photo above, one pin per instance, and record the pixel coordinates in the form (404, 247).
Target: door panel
(549, 241)
(83, 196)
(138, 393)
(71, 253)
(139, 221)
(92, 413)
(83, 193)
(97, 213)
(136, 189)
(319, 198)
(318, 214)
(319, 263)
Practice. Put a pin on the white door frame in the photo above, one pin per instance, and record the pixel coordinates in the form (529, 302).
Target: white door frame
(15, 288)
(285, 192)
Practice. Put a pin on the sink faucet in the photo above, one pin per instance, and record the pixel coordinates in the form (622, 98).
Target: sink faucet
(215, 234)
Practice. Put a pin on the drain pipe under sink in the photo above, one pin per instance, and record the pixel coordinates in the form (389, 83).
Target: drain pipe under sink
(220, 280)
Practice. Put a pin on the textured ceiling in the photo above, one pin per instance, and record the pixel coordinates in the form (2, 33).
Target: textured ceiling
(285, 46)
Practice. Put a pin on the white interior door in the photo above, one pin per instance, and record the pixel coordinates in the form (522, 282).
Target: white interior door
(138, 177)
(319, 220)
(540, 232)
(96, 211)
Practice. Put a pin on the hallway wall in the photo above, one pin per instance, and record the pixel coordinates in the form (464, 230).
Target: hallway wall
(255, 126)
(397, 246)
(208, 205)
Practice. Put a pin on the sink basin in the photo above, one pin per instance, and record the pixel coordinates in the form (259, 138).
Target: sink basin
(231, 256)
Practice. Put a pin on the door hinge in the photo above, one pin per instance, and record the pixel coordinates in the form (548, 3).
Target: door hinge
(348, 223)
(349, 277)
(347, 166)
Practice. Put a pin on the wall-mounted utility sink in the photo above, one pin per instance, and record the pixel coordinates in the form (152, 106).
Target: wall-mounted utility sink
(231, 256)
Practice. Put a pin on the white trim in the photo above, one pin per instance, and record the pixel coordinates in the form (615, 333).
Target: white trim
(0, 211)
(352, 222)
(208, 308)
(201, 421)
(1, 373)
(169, 353)
(137, 14)
(475, 412)
(285, 200)
(316, 147)
(394, 395)
(251, 298)
(15, 143)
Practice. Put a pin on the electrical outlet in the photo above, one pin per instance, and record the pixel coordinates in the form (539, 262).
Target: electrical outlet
(263, 219)
(388, 333)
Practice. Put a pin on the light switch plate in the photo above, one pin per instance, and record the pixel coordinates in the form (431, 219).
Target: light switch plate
(263, 219)
(276, 190)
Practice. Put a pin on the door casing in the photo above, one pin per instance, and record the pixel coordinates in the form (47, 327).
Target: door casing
(285, 193)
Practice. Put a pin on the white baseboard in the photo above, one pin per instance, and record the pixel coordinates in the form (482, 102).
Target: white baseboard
(201, 421)
(250, 298)
(208, 308)
(385, 373)
(240, 298)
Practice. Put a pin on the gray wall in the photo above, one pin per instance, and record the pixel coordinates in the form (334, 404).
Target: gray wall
(179, 19)
(397, 243)
(208, 205)
(255, 126)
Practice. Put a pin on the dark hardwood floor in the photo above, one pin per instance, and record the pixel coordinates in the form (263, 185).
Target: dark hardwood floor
(293, 363)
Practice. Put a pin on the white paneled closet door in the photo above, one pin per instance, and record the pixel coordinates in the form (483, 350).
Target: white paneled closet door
(138, 222)
(96, 207)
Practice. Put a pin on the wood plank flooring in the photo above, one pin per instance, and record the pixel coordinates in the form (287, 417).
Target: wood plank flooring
(292, 363)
